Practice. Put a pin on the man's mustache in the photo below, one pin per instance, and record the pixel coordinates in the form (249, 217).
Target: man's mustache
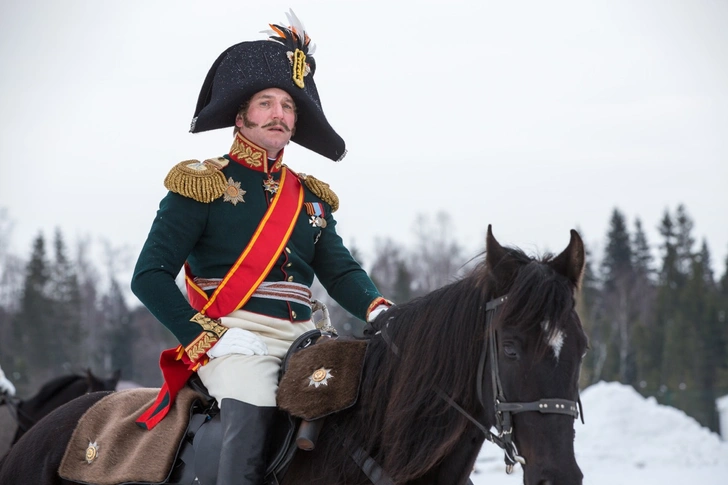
(277, 123)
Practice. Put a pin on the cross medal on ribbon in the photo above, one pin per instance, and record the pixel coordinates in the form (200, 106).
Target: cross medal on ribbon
(270, 185)
(315, 210)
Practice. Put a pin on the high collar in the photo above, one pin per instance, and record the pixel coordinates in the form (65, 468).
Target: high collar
(250, 155)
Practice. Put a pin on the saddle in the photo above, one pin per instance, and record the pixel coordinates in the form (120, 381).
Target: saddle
(316, 381)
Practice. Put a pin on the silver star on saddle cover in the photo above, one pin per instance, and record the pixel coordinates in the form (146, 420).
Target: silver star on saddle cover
(320, 377)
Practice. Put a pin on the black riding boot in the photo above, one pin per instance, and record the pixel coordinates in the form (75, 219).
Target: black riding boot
(245, 429)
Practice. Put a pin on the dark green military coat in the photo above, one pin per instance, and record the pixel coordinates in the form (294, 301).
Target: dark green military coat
(210, 236)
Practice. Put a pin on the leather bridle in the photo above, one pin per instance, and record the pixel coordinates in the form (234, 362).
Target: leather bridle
(504, 410)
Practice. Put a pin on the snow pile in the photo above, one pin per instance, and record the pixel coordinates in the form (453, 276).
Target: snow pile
(624, 427)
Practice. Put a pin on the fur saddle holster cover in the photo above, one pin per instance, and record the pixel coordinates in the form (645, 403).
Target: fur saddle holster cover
(322, 379)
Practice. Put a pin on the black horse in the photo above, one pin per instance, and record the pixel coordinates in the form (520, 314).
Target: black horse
(499, 349)
(52, 394)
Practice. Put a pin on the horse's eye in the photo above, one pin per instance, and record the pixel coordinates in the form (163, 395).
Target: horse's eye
(510, 350)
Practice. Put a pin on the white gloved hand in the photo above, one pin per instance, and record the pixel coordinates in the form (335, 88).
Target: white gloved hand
(238, 341)
(375, 313)
(6, 387)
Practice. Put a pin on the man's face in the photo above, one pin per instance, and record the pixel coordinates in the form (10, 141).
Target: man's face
(269, 120)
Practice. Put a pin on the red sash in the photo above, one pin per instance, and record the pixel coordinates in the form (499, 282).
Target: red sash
(257, 259)
(251, 268)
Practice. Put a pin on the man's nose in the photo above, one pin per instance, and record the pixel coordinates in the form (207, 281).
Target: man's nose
(277, 111)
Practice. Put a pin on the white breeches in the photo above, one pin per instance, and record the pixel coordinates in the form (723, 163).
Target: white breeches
(252, 378)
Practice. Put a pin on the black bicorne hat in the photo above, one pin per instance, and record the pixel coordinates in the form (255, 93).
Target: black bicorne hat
(284, 60)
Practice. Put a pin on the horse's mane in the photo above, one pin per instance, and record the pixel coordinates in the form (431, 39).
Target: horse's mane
(54, 386)
(439, 338)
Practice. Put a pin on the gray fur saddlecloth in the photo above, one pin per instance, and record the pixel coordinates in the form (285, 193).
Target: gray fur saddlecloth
(108, 447)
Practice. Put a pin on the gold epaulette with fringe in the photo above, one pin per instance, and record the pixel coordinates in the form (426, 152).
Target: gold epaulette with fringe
(202, 181)
(321, 190)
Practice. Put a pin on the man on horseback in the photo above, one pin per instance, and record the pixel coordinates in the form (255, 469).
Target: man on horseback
(251, 235)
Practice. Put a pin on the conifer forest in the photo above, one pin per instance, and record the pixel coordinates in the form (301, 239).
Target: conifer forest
(655, 312)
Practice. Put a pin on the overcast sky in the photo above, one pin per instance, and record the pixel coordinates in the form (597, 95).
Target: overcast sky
(536, 117)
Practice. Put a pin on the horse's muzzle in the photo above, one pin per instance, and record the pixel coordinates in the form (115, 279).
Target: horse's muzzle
(540, 476)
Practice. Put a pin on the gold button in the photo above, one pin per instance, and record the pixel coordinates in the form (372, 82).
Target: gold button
(288, 250)
(293, 314)
(290, 278)
(289, 265)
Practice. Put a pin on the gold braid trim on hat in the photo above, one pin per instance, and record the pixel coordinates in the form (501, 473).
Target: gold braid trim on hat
(202, 181)
(322, 191)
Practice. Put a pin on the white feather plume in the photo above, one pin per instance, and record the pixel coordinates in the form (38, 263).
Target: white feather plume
(295, 24)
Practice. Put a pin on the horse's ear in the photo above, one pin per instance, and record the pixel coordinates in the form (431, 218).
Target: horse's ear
(90, 378)
(497, 260)
(494, 252)
(571, 261)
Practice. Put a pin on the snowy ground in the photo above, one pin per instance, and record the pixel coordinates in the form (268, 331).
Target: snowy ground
(629, 440)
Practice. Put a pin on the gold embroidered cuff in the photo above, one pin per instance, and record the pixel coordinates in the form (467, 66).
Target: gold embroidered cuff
(212, 331)
(209, 324)
(199, 347)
